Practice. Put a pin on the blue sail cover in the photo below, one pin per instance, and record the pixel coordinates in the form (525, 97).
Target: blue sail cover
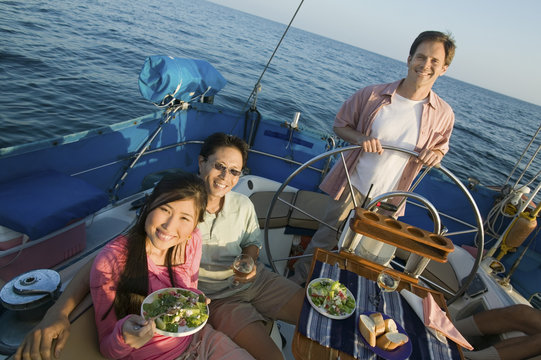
(184, 79)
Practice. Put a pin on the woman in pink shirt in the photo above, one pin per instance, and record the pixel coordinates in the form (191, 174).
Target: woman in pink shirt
(163, 249)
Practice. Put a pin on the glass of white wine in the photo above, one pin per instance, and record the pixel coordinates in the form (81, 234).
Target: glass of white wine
(387, 281)
(242, 266)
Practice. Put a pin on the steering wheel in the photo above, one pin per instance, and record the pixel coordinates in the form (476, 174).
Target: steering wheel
(480, 233)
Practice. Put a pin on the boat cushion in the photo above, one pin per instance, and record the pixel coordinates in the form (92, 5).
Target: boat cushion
(314, 204)
(41, 203)
(285, 216)
(280, 212)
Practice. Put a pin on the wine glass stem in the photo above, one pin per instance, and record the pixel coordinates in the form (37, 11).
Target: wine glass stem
(375, 299)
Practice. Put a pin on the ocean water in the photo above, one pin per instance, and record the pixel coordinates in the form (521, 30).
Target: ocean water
(73, 66)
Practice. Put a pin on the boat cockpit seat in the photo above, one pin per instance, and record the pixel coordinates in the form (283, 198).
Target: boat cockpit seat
(83, 340)
(313, 203)
(44, 213)
(280, 212)
(285, 216)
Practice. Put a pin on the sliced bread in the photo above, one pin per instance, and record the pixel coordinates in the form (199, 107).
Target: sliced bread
(368, 329)
(390, 326)
(378, 322)
(392, 340)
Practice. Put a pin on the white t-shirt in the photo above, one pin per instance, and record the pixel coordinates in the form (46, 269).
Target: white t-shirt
(396, 124)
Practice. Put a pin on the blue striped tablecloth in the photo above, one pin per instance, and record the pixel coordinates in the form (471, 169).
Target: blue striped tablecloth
(344, 335)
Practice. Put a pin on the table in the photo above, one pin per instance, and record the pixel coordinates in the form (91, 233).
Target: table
(307, 349)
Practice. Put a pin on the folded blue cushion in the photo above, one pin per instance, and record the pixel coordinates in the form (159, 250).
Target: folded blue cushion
(39, 204)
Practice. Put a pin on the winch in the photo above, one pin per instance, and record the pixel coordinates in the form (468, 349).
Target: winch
(25, 300)
(31, 289)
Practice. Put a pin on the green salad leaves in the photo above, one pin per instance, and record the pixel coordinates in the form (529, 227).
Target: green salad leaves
(331, 296)
(176, 308)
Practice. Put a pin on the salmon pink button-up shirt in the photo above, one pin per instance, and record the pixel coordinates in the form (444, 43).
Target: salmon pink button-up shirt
(359, 111)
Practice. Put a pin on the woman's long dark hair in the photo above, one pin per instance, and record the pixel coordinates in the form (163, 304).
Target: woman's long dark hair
(133, 285)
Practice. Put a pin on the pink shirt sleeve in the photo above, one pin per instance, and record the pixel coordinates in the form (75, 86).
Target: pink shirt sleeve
(104, 277)
(359, 110)
(349, 114)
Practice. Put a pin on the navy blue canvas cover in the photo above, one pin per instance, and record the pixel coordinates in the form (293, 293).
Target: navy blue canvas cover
(165, 77)
(47, 201)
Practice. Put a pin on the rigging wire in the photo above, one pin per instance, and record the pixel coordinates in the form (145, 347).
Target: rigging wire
(522, 156)
(498, 211)
(528, 166)
(532, 180)
(257, 84)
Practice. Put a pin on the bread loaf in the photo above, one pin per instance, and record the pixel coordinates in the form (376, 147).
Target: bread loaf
(392, 340)
(368, 329)
(380, 332)
(390, 326)
(378, 322)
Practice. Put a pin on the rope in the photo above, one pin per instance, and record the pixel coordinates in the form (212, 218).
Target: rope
(254, 91)
(521, 157)
(528, 166)
(23, 246)
(167, 115)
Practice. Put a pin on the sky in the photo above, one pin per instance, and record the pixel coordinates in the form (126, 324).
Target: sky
(498, 42)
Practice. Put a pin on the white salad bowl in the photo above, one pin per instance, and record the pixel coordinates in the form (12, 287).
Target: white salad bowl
(182, 330)
(322, 310)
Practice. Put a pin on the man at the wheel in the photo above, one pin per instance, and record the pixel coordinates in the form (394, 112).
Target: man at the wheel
(405, 114)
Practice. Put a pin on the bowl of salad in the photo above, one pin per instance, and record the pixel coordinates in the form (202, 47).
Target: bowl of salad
(330, 298)
(177, 312)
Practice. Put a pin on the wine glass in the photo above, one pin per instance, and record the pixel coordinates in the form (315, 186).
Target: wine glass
(242, 265)
(387, 281)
